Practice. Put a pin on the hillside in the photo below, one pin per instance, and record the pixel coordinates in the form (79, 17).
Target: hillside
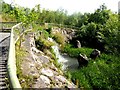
(87, 45)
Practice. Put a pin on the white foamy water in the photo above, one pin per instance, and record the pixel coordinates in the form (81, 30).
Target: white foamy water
(66, 61)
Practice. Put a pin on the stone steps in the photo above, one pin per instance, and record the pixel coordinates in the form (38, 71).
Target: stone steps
(4, 47)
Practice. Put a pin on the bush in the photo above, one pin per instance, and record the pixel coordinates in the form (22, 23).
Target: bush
(101, 74)
(43, 43)
(49, 30)
(59, 38)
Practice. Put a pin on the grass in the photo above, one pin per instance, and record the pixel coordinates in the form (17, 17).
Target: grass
(101, 74)
(59, 38)
(74, 52)
(25, 81)
(42, 43)
(41, 40)
(7, 18)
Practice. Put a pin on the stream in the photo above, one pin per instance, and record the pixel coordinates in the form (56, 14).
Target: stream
(67, 62)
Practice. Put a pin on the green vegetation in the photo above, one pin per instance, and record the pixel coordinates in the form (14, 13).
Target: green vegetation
(43, 44)
(102, 36)
(99, 30)
(25, 81)
(103, 73)
(74, 52)
(59, 38)
(42, 41)
(49, 30)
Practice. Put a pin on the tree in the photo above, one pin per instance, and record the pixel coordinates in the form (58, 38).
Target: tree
(100, 30)
(101, 15)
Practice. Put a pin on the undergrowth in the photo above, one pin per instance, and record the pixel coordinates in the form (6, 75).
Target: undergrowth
(103, 73)
(25, 81)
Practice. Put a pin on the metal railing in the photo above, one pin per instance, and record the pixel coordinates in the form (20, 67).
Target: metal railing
(16, 32)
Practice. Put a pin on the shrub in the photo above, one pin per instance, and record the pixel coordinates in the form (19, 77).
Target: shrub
(43, 43)
(41, 40)
(42, 33)
(100, 74)
(59, 38)
(49, 30)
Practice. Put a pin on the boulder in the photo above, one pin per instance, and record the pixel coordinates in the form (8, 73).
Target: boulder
(45, 79)
(82, 60)
(48, 72)
(78, 44)
(95, 53)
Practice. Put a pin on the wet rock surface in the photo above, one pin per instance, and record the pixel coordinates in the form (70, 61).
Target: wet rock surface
(82, 60)
(95, 53)
(78, 44)
(40, 66)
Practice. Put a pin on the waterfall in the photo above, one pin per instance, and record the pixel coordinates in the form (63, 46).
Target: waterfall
(66, 61)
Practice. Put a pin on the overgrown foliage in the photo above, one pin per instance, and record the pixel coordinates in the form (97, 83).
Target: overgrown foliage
(59, 38)
(25, 81)
(101, 31)
(100, 74)
(42, 41)
(95, 30)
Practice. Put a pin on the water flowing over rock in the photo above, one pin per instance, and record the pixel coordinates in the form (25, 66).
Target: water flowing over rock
(41, 68)
(66, 61)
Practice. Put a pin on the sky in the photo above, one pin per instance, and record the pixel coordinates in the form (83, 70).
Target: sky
(70, 5)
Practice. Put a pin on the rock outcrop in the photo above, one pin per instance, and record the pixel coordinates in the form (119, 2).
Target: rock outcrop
(78, 44)
(67, 32)
(82, 60)
(95, 53)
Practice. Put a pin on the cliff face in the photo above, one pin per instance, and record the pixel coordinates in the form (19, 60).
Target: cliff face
(41, 67)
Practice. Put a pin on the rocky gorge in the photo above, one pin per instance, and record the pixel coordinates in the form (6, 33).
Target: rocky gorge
(41, 67)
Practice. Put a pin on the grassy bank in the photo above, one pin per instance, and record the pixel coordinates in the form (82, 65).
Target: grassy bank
(102, 73)
(74, 52)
